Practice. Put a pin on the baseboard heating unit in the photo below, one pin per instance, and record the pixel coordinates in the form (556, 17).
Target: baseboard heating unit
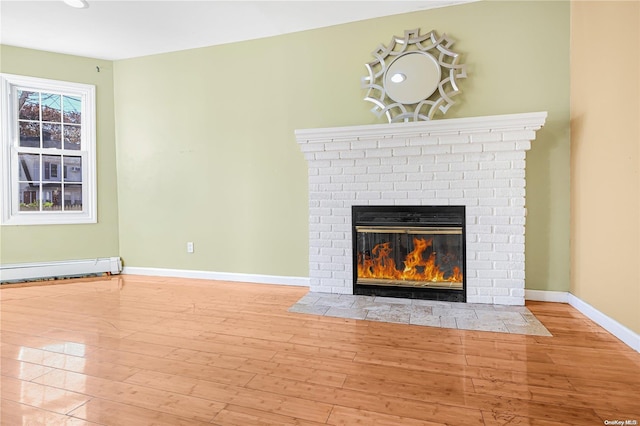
(69, 268)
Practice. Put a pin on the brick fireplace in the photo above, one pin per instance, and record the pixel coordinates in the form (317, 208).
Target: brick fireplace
(476, 162)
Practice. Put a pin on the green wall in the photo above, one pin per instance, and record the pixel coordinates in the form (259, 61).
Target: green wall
(206, 147)
(41, 243)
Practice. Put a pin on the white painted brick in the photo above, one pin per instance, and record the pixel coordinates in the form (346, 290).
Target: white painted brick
(319, 196)
(485, 137)
(518, 183)
(519, 239)
(330, 171)
(480, 247)
(510, 156)
(518, 164)
(312, 147)
(522, 135)
(477, 265)
(332, 220)
(368, 195)
(332, 236)
(368, 178)
(406, 168)
(449, 193)
(509, 248)
(509, 266)
(466, 148)
(352, 154)
(464, 184)
(320, 258)
(393, 161)
(479, 193)
(510, 211)
(510, 192)
(436, 149)
(508, 300)
(407, 152)
(422, 160)
(407, 186)
(495, 183)
(493, 220)
(392, 143)
(433, 167)
(379, 169)
(498, 146)
(331, 203)
(491, 238)
(494, 165)
(424, 140)
(480, 299)
(313, 171)
(450, 158)
(479, 211)
(506, 283)
(337, 146)
(517, 292)
(488, 255)
(448, 176)
(341, 227)
(381, 152)
(463, 201)
(435, 185)
(341, 178)
(380, 186)
(342, 163)
(396, 177)
(330, 187)
(492, 274)
(419, 177)
(394, 195)
(327, 155)
(523, 145)
(344, 196)
(519, 275)
(364, 144)
(331, 267)
(421, 194)
(341, 211)
(478, 175)
(509, 174)
(454, 140)
(330, 251)
(479, 157)
(517, 220)
(317, 211)
(463, 166)
(354, 170)
(368, 162)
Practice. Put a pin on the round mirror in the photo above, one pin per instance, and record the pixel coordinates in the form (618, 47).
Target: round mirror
(412, 77)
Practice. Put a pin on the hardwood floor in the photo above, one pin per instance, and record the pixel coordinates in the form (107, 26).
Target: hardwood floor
(133, 350)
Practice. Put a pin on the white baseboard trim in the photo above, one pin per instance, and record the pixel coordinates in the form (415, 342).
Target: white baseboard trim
(547, 296)
(67, 268)
(629, 337)
(219, 276)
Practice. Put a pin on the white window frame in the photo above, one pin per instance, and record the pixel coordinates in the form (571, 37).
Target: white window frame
(10, 213)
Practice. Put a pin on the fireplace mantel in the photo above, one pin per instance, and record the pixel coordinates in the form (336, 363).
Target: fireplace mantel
(478, 162)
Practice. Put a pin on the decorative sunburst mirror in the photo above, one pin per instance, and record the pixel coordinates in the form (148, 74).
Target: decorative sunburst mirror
(414, 77)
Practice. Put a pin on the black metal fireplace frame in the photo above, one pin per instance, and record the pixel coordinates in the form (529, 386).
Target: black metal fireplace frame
(415, 216)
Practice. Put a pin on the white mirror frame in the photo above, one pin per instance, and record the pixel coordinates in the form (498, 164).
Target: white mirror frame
(404, 86)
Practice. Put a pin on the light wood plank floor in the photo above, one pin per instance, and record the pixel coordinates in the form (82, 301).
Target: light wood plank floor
(140, 350)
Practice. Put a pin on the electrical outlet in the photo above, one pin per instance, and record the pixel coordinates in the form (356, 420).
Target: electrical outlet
(189, 247)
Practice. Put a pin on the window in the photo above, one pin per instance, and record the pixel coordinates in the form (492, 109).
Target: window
(48, 151)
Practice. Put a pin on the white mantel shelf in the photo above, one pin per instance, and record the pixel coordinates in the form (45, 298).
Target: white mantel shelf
(478, 162)
(526, 121)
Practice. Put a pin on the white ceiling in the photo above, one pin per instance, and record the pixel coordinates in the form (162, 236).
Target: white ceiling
(110, 29)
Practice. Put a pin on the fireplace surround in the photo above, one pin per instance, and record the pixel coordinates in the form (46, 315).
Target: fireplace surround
(476, 162)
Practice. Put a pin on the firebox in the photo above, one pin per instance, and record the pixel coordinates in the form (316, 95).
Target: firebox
(415, 252)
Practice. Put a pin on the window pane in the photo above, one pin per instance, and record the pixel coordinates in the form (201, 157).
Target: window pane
(52, 168)
(73, 197)
(72, 137)
(28, 105)
(30, 134)
(72, 110)
(51, 196)
(51, 135)
(29, 167)
(51, 107)
(29, 197)
(72, 169)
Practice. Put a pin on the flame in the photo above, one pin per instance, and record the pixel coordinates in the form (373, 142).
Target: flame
(381, 266)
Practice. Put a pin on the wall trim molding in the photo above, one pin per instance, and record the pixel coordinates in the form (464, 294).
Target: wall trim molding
(218, 276)
(547, 296)
(626, 335)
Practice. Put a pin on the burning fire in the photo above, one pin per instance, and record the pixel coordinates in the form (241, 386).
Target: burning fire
(381, 266)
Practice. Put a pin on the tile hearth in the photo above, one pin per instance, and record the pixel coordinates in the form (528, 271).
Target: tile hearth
(463, 316)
